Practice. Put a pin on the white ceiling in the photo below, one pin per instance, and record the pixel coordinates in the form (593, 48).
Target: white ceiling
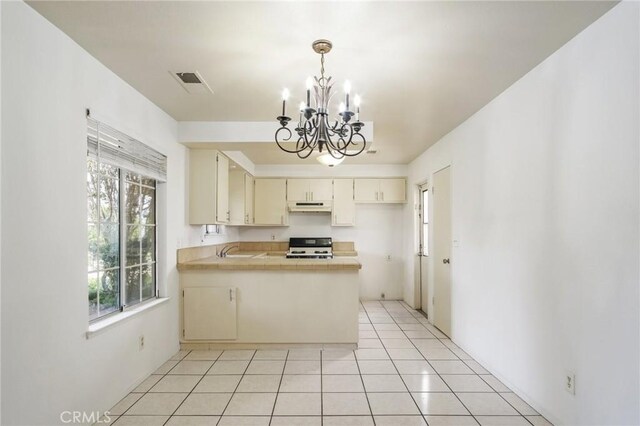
(422, 68)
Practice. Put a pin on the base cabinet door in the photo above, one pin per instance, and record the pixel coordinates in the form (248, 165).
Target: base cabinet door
(209, 313)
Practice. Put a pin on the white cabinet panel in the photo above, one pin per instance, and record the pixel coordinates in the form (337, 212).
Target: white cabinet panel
(344, 207)
(366, 190)
(222, 189)
(270, 202)
(321, 189)
(309, 190)
(208, 187)
(298, 190)
(393, 190)
(389, 190)
(209, 313)
(248, 199)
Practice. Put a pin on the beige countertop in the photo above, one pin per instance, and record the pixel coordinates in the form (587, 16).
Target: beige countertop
(271, 261)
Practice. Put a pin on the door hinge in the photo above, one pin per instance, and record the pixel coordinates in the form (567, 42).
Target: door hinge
(183, 333)
(182, 293)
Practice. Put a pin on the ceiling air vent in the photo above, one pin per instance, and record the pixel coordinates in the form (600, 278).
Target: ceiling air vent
(192, 82)
(371, 151)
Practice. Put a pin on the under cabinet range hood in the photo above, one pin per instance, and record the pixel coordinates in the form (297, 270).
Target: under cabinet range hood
(311, 206)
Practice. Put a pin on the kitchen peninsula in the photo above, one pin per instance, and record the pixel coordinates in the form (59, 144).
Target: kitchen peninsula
(256, 296)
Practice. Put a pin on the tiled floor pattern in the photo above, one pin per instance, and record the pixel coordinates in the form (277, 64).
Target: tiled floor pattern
(405, 372)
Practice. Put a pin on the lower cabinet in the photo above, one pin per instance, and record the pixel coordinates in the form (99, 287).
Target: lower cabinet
(209, 313)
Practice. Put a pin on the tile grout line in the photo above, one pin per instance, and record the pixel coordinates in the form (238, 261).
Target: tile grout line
(477, 374)
(474, 373)
(355, 356)
(151, 387)
(196, 385)
(321, 393)
(392, 361)
(275, 401)
(434, 369)
(237, 386)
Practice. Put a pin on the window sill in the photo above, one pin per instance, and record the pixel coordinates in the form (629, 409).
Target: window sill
(102, 325)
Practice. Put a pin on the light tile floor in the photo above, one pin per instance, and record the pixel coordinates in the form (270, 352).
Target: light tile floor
(405, 372)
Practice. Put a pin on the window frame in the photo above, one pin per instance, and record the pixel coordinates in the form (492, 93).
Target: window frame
(122, 305)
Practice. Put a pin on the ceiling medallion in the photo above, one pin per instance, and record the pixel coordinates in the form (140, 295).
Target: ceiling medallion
(339, 139)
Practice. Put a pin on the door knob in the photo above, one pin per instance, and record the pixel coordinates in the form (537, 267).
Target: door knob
(445, 261)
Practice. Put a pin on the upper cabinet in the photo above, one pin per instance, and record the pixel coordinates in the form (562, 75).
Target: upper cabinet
(208, 187)
(390, 190)
(344, 208)
(309, 190)
(270, 202)
(240, 197)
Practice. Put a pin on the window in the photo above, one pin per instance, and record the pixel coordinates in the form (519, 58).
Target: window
(122, 178)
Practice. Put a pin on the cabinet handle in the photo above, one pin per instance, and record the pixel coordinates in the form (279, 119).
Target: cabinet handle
(312, 196)
(281, 219)
(376, 196)
(230, 295)
(382, 195)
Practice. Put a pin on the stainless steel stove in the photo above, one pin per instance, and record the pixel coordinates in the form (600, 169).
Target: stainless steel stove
(310, 248)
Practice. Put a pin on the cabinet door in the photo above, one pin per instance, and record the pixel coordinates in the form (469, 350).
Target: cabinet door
(209, 313)
(248, 199)
(270, 202)
(298, 190)
(236, 197)
(202, 186)
(344, 208)
(321, 189)
(367, 190)
(222, 189)
(392, 190)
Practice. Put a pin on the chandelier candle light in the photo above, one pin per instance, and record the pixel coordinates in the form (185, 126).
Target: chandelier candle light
(340, 139)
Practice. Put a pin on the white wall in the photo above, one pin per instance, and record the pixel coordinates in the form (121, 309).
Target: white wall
(48, 365)
(546, 209)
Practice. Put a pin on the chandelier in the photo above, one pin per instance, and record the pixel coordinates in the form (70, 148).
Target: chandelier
(339, 139)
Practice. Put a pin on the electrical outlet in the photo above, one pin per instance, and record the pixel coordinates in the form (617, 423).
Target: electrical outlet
(382, 295)
(273, 237)
(570, 383)
(141, 343)
(388, 258)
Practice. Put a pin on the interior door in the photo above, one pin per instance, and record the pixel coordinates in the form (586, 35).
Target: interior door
(441, 196)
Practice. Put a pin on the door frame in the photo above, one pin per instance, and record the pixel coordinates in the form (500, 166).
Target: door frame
(422, 274)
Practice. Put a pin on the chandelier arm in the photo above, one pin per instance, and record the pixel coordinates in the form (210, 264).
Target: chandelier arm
(304, 147)
(284, 140)
(353, 143)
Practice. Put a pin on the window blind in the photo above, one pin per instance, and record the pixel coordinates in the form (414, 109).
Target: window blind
(111, 146)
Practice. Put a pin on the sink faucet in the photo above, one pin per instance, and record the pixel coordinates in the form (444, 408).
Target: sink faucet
(226, 249)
